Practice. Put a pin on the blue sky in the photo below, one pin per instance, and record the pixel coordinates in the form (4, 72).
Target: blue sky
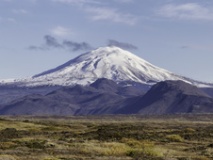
(37, 35)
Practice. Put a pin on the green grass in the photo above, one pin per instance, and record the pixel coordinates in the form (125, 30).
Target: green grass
(179, 137)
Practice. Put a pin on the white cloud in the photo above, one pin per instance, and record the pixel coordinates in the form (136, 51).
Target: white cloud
(12, 20)
(6, 20)
(111, 15)
(60, 31)
(70, 1)
(78, 2)
(124, 1)
(188, 11)
(98, 12)
(19, 11)
(6, 0)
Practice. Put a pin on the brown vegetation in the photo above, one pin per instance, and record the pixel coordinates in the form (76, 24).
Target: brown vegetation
(179, 137)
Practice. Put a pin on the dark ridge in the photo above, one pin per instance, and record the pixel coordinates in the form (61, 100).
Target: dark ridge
(170, 97)
(107, 97)
(106, 85)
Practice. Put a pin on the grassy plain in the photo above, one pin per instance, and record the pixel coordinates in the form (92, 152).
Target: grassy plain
(177, 137)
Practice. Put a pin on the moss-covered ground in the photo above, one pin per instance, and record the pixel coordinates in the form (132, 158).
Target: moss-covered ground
(178, 137)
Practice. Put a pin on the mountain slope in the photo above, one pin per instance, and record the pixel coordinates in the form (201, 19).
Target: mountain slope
(107, 85)
(170, 97)
(80, 100)
(111, 63)
(106, 62)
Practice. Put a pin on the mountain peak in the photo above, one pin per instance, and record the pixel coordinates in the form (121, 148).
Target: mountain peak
(109, 62)
(107, 49)
(110, 50)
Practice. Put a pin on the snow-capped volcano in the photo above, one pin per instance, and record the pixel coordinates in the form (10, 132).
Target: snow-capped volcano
(106, 62)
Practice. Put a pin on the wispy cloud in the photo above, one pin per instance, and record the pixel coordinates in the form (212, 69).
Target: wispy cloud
(110, 14)
(124, 1)
(202, 47)
(78, 2)
(187, 11)
(7, 20)
(61, 31)
(6, 0)
(185, 47)
(76, 46)
(123, 45)
(12, 20)
(19, 11)
(98, 10)
(37, 48)
(52, 43)
(97, 2)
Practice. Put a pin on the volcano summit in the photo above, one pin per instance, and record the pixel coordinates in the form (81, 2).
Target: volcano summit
(105, 62)
(108, 80)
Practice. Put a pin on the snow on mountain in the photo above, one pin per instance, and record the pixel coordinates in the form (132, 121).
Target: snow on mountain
(106, 62)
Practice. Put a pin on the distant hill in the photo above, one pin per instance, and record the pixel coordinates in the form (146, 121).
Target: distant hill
(107, 97)
(170, 97)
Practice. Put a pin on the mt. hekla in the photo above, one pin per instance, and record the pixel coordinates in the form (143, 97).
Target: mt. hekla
(108, 80)
(106, 62)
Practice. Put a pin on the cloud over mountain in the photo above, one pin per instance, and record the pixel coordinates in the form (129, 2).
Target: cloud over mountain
(52, 43)
(123, 45)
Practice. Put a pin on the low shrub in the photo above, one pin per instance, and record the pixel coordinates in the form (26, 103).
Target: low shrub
(7, 157)
(7, 145)
(8, 133)
(189, 130)
(105, 149)
(36, 144)
(174, 138)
